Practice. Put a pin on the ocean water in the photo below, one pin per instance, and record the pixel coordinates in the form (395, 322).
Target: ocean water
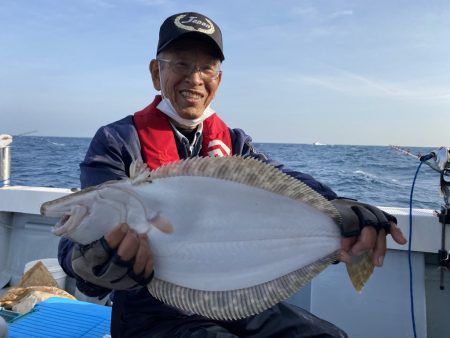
(373, 174)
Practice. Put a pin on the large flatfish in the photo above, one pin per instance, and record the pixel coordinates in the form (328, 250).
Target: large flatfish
(231, 236)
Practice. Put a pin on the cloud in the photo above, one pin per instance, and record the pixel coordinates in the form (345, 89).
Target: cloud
(152, 2)
(319, 15)
(118, 3)
(101, 3)
(341, 13)
(359, 85)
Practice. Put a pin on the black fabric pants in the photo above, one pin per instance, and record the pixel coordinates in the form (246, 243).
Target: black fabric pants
(282, 320)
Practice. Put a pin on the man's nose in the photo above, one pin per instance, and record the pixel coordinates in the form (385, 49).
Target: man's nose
(195, 75)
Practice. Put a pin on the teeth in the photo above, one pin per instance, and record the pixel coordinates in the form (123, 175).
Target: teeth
(190, 95)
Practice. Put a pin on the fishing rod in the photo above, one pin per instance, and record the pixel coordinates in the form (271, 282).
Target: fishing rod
(439, 160)
(26, 133)
(430, 159)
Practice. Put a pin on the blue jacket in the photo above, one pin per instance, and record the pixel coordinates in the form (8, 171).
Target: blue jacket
(109, 156)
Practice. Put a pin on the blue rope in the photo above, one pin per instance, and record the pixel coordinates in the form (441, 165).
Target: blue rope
(409, 253)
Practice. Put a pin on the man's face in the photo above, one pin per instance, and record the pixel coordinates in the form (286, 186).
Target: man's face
(189, 93)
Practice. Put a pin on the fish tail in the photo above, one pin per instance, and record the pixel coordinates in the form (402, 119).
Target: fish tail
(360, 270)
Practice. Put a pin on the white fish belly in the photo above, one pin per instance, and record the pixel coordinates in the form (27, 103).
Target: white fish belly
(230, 236)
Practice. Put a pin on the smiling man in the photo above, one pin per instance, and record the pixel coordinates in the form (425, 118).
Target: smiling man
(180, 124)
(191, 99)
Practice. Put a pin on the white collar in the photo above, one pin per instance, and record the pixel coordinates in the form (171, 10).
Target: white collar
(167, 108)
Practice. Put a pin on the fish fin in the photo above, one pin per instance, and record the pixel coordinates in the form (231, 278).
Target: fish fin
(360, 270)
(252, 172)
(241, 303)
(162, 224)
(139, 172)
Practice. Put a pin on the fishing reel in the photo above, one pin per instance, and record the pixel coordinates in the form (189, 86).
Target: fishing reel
(439, 160)
(444, 219)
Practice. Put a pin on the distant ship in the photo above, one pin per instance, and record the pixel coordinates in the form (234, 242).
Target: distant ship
(317, 143)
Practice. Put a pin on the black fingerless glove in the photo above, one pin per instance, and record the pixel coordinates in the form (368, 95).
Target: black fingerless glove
(356, 215)
(99, 264)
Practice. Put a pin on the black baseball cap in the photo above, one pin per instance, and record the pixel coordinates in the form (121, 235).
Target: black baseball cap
(190, 23)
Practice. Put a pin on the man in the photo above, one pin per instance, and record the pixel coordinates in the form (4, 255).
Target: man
(176, 125)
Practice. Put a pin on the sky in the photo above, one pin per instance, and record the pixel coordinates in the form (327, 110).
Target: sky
(329, 71)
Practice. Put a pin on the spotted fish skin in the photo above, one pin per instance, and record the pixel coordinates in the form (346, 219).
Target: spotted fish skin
(231, 236)
(240, 303)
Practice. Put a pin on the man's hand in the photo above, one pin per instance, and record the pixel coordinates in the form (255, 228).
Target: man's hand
(120, 260)
(131, 246)
(370, 240)
(364, 228)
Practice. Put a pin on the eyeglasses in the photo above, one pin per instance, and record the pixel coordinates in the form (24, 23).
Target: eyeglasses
(208, 72)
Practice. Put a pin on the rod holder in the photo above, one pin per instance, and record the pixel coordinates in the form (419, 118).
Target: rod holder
(5, 166)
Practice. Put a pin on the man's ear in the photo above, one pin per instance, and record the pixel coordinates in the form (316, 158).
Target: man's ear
(154, 72)
(220, 78)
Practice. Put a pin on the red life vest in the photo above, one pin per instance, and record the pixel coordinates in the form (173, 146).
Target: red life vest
(158, 142)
